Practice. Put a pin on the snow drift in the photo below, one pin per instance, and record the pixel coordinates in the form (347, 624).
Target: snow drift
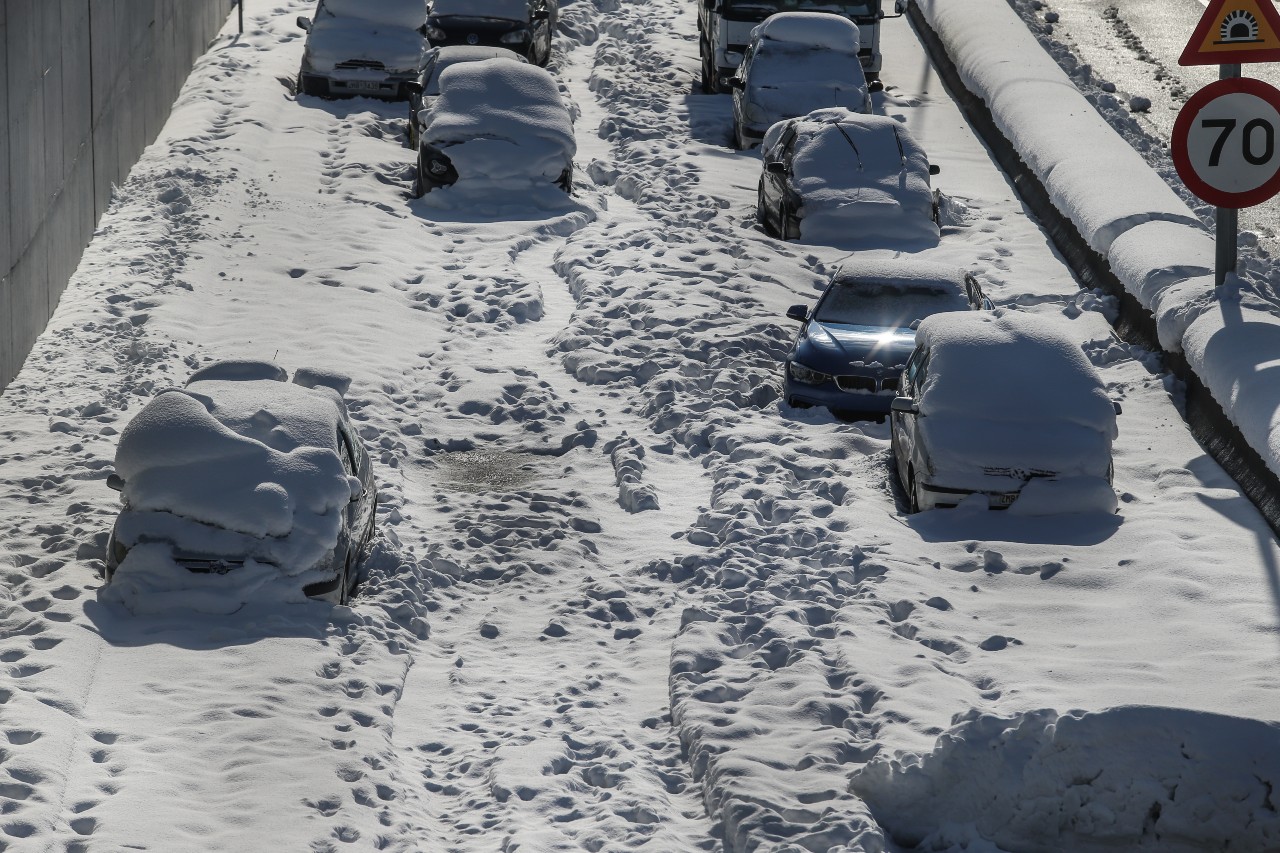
(1128, 778)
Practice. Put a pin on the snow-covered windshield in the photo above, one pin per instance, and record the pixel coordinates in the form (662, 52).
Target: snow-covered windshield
(507, 10)
(884, 304)
(851, 10)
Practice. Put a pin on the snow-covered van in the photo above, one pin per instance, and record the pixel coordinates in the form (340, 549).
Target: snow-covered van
(724, 30)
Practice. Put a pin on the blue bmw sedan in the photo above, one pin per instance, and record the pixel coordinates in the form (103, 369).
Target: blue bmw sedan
(851, 348)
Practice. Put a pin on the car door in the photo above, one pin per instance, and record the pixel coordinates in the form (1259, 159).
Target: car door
(773, 181)
(740, 91)
(903, 425)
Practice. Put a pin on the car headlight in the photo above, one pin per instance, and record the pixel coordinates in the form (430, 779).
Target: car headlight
(118, 551)
(754, 112)
(806, 375)
(436, 34)
(515, 37)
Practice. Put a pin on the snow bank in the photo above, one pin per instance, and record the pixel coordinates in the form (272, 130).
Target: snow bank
(398, 13)
(335, 40)
(503, 122)
(860, 178)
(812, 29)
(508, 10)
(1152, 240)
(1129, 778)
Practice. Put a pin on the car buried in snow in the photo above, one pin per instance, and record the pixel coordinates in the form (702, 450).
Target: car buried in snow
(1002, 406)
(844, 178)
(498, 126)
(245, 475)
(362, 48)
(796, 62)
(423, 93)
(524, 26)
(851, 348)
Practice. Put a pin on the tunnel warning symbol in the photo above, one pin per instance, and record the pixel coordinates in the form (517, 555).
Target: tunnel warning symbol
(1234, 31)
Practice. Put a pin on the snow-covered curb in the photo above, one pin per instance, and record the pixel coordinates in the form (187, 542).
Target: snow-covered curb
(1154, 244)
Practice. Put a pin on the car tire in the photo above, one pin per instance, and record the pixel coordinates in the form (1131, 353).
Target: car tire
(913, 492)
(312, 86)
(710, 85)
(788, 223)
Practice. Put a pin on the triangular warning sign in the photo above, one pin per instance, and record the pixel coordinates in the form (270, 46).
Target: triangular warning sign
(1234, 31)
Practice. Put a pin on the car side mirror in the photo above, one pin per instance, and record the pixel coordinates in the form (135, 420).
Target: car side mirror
(115, 481)
(414, 89)
(540, 15)
(356, 487)
(798, 313)
(304, 23)
(934, 170)
(1115, 404)
(736, 82)
(904, 406)
(775, 167)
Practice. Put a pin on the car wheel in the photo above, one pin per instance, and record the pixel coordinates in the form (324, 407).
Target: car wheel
(913, 492)
(739, 144)
(312, 86)
(710, 85)
(760, 207)
(788, 223)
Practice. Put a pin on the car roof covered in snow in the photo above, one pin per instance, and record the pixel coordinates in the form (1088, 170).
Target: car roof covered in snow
(501, 98)
(1010, 366)
(810, 29)
(906, 273)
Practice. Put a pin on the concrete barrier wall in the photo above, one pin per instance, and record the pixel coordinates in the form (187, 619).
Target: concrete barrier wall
(85, 85)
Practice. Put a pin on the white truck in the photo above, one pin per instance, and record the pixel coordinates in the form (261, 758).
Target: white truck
(724, 28)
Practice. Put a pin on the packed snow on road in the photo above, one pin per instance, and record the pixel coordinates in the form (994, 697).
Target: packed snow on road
(619, 595)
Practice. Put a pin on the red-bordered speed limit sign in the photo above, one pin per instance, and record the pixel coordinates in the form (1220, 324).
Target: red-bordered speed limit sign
(1226, 142)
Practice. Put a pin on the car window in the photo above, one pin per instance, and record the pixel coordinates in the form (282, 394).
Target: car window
(915, 366)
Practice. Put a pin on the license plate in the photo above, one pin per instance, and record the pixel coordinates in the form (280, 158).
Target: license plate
(364, 84)
(1001, 500)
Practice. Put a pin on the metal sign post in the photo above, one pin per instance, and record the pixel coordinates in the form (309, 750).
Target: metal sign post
(1226, 219)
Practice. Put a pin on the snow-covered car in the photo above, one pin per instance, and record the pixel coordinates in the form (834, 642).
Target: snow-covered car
(424, 92)
(842, 177)
(247, 476)
(850, 351)
(796, 62)
(1002, 404)
(525, 26)
(498, 125)
(373, 48)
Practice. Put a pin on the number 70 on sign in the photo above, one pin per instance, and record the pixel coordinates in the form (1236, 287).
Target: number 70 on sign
(1224, 143)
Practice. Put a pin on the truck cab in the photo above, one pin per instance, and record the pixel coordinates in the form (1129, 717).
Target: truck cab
(724, 29)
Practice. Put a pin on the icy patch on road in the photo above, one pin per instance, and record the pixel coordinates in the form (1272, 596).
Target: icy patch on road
(1131, 778)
